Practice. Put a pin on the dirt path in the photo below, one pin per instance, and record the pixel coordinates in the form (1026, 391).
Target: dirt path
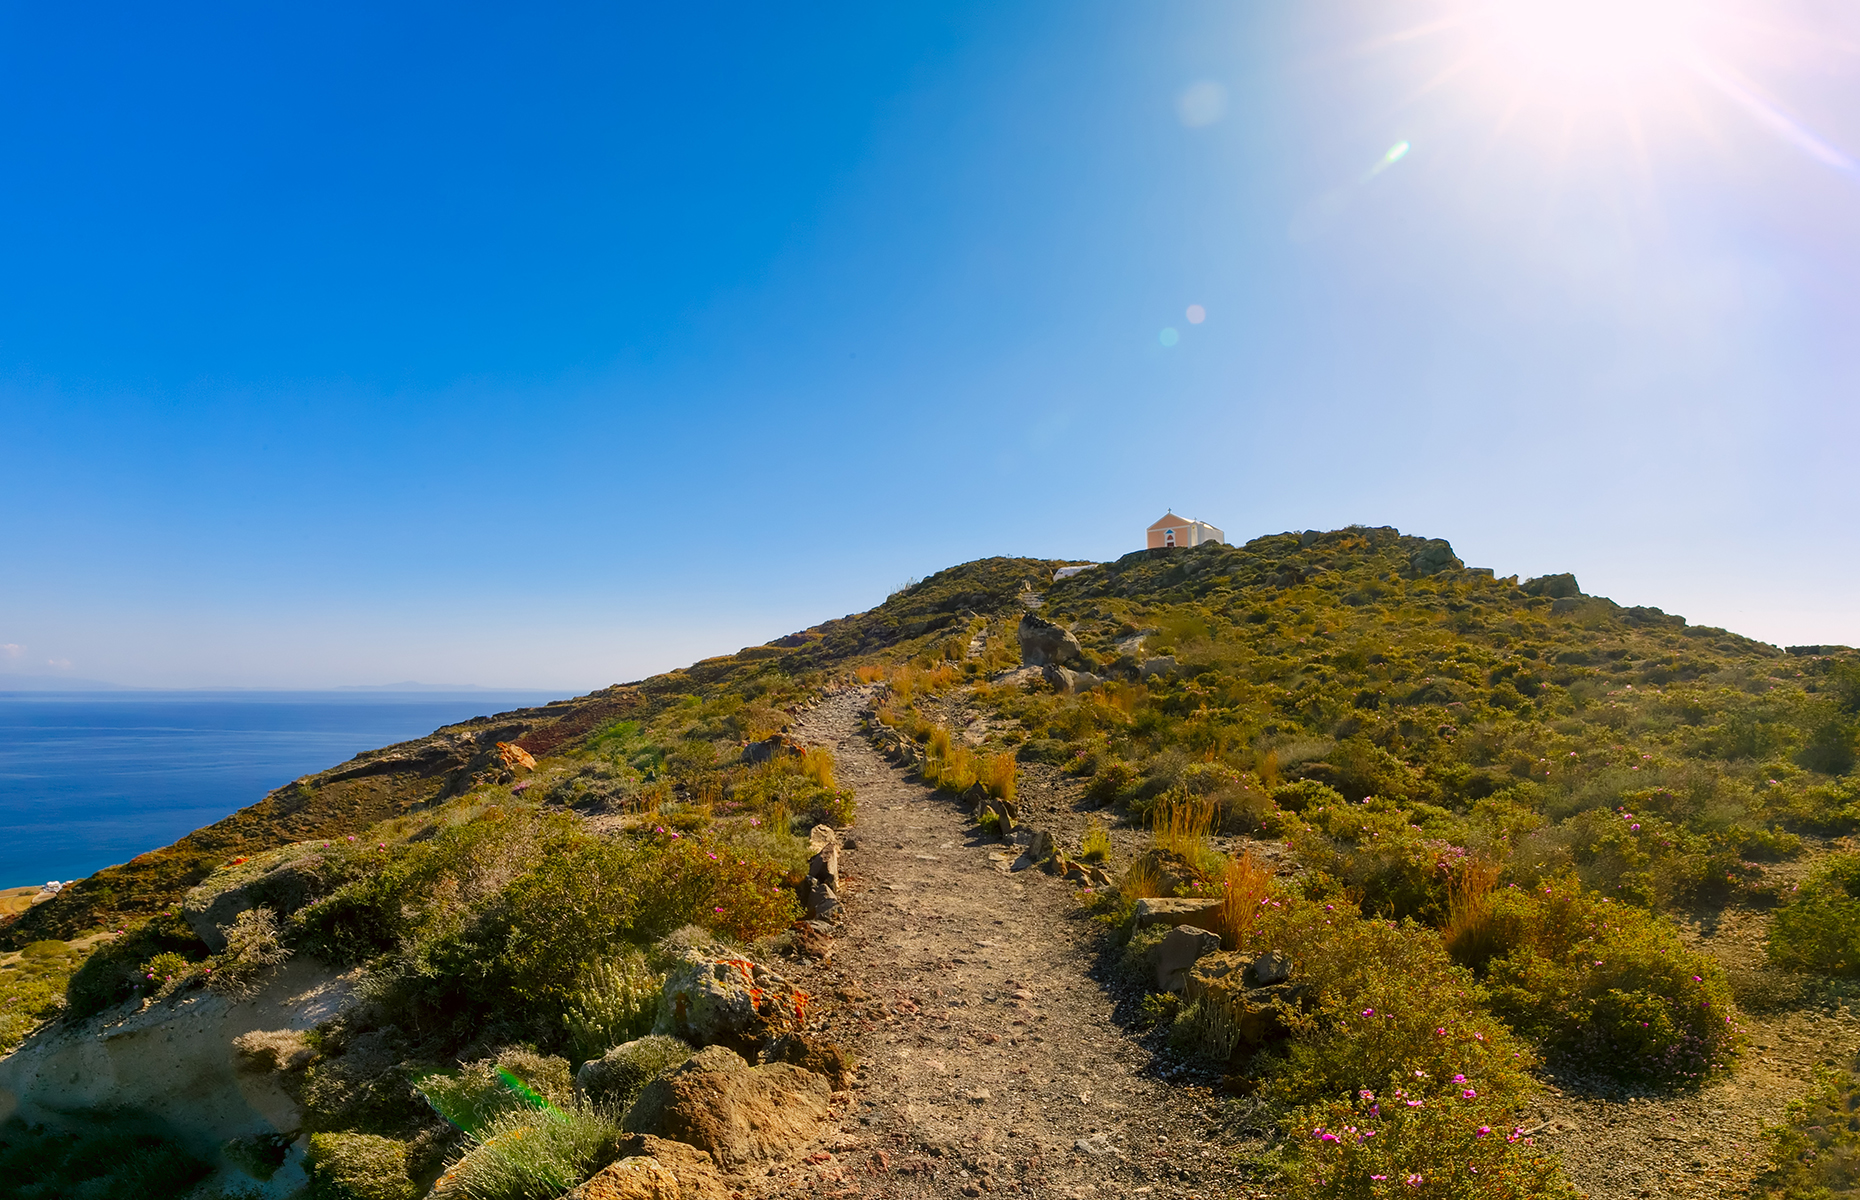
(992, 1062)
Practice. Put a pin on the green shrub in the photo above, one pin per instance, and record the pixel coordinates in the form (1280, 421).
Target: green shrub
(252, 948)
(1375, 1146)
(1113, 781)
(366, 1087)
(1306, 794)
(615, 1002)
(358, 1166)
(1402, 1032)
(1818, 929)
(1607, 985)
(1815, 1152)
(516, 1079)
(1376, 847)
(615, 1080)
(553, 901)
(533, 1155)
(117, 968)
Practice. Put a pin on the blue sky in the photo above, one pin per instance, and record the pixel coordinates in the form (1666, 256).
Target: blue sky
(555, 347)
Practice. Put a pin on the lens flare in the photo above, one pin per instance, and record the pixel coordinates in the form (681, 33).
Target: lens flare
(1168, 337)
(1201, 104)
(1196, 314)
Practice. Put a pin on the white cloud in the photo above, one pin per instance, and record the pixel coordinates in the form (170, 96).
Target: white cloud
(12, 651)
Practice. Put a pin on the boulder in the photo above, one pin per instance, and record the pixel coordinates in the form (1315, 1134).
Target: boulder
(1043, 643)
(1179, 950)
(653, 1168)
(1004, 815)
(1195, 912)
(712, 996)
(815, 1054)
(824, 844)
(1061, 679)
(1162, 665)
(769, 749)
(741, 1114)
(1432, 557)
(1259, 1014)
(823, 902)
(1040, 846)
(1163, 910)
(515, 757)
(1556, 587)
(1565, 604)
(1267, 969)
(618, 1076)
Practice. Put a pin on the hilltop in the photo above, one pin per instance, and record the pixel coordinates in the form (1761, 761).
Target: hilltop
(1472, 812)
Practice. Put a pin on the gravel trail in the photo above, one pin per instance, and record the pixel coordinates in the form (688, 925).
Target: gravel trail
(991, 1061)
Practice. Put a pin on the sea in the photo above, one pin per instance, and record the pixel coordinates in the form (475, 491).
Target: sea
(90, 779)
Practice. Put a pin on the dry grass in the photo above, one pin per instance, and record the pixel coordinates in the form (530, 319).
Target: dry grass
(1120, 698)
(1096, 844)
(650, 799)
(1182, 825)
(1245, 884)
(817, 765)
(870, 673)
(1269, 770)
(1471, 933)
(1141, 880)
(998, 775)
(948, 763)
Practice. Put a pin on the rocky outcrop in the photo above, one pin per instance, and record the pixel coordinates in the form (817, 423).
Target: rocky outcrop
(1162, 665)
(1043, 643)
(1557, 587)
(283, 880)
(1258, 1012)
(1165, 910)
(654, 1168)
(207, 1068)
(714, 997)
(1432, 557)
(823, 873)
(1064, 680)
(771, 748)
(1181, 948)
(741, 1114)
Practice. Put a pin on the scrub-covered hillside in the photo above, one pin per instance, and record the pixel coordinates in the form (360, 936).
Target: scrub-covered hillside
(1462, 812)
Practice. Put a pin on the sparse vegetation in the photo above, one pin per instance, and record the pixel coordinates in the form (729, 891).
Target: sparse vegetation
(615, 1002)
(1818, 929)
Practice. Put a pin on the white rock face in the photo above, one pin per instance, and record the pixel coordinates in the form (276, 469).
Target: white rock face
(176, 1061)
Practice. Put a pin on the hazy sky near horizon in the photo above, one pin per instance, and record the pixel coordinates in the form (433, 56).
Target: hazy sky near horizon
(557, 345)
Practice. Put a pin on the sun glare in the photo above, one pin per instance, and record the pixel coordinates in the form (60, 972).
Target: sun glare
(1589, 40)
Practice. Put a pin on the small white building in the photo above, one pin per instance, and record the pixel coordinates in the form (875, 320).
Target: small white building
(1172, 530)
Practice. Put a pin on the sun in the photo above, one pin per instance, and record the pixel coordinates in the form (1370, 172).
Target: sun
(1579, 42)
